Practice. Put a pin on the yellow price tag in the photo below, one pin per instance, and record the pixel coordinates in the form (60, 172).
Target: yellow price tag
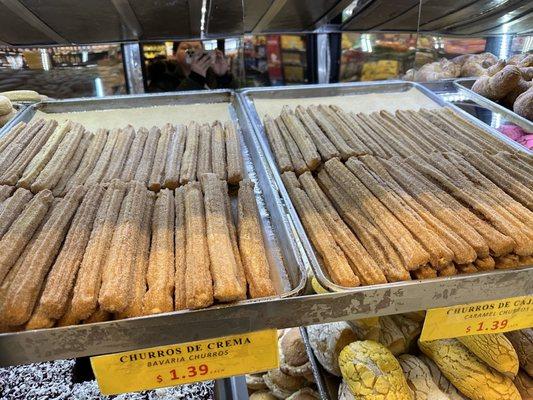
(173, 365)
(494, 316)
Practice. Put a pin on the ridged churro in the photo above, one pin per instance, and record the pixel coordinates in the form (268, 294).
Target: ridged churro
(449, 270)
(507, 261)
(61, 278)
(117, 275)
(100, 167)
(224, 270)
(85, 295)
(72, 165)
(147, 160)
(290, 179)
(12, 208)
(204, 151)
(190, 155)
(424, 272)
(362, 264)
(234, 162)
(19, 143)
(5, 192)
(119, 154)
(371, 134)
(180, 241)
(160, 273)
(297, 160)
(16, 169)
(334, 136)
(302, 138)
(157, 174)
(15, 239)
(324, 146)
(277, 145)
(218, 150)
(134, 155)
(485, 264)
(198, 281)
(51, 173)
(135, 308)
(333, 257)
(98, 316)
(26, 286)
(174, 157)
(373, 239)
(6, 139)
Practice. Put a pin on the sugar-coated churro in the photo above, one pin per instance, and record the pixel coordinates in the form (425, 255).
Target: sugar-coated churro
(98, 316)
(174, 157)
(85, 295)
(180, 241)
(72, 165)
(158, 169)
(12, 208)
(485, 264)
(424, 272)
(290, 179)
(301, 137)
(449, 270)
(51, 173)
(5, 192)
(26, 285)
(19, 143)
(134, 155)
(507, 261)
(198, 281)
(234, 162)
(15, 239)
(204, 151)
(117, 275)
(334, 136)
(324, 146)
(190, 155)
(147, 160)
(226, 286)
(277, 145)
(119, 154)
(218, 150)
(6, 139)
(100, 167)
(160, 274)
(62, 275)
(297, 160)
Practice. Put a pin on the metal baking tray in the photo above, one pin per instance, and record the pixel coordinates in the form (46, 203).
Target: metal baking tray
(464, 86)
(287, 267)
(247, 97)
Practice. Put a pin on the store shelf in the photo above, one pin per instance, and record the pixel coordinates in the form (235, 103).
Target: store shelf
(177, 327)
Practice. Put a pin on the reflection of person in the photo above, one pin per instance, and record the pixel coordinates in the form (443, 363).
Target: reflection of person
(193, 69)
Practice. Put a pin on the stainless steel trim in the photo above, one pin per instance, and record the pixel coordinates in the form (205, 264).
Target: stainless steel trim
(128, 17)
(271, 13)
(315, 366)
(133, 67)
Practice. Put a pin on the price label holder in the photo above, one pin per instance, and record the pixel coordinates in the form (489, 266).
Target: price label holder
(494, 316)
(186, 363)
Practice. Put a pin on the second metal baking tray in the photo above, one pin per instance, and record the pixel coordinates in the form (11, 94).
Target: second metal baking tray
(464, 86)
(302, 94)
(287, 267)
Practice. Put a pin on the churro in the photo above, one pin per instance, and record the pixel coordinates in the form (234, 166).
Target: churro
(301, 138)
(174, 157)
(135, 308)
(16, 169)
(160, 273)
(190, 155)
(5, 192)
(277, 145)
(88, 281)
(100, 167)
(411, 123)
(449, 270)
(295, 155)
(290, 179)
(134, 155)
(73, 164)
(466, 268)
(324, 146)
(12, 208)
(362, 264)
(158, 169)
(371, 134)
(234, 163)
(119, 154)
(62, 275)
(99, 315)
(19, 234)
(180, 241)
(502, 161)
(411, 252)
(26, 285)
(224, 270)
(398, 144)
(6, 139)
(373, 239)
(204, 151)
(198, 281)
(19, 143)
(485, 264)
(507, 261)
(39, 319)
(117, 275)
(51, 173)
(218, 150)
(147, 160)
(332, 256)
(424, 272)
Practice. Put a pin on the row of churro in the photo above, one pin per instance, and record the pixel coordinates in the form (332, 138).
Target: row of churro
(431, 195)
(120, 250)
(47, 155)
